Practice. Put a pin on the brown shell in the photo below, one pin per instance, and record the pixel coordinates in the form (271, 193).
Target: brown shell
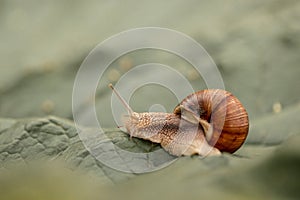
(225, 112)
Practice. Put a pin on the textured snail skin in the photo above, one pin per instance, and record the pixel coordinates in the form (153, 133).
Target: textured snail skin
(177, 136)
(224, 112)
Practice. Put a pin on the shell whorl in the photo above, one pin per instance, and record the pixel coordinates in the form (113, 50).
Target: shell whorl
(224, 112)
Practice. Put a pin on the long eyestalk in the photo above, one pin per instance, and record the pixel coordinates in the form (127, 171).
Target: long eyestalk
(121, 99)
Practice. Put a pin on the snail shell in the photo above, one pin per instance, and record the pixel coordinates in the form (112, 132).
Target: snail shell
(223, 112)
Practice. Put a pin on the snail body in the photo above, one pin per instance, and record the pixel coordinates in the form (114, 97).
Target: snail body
(206, 122)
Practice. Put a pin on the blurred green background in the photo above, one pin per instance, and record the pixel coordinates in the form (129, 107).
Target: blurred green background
(255, 44)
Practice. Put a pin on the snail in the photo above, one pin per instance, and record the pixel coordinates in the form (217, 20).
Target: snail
(206, 122)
